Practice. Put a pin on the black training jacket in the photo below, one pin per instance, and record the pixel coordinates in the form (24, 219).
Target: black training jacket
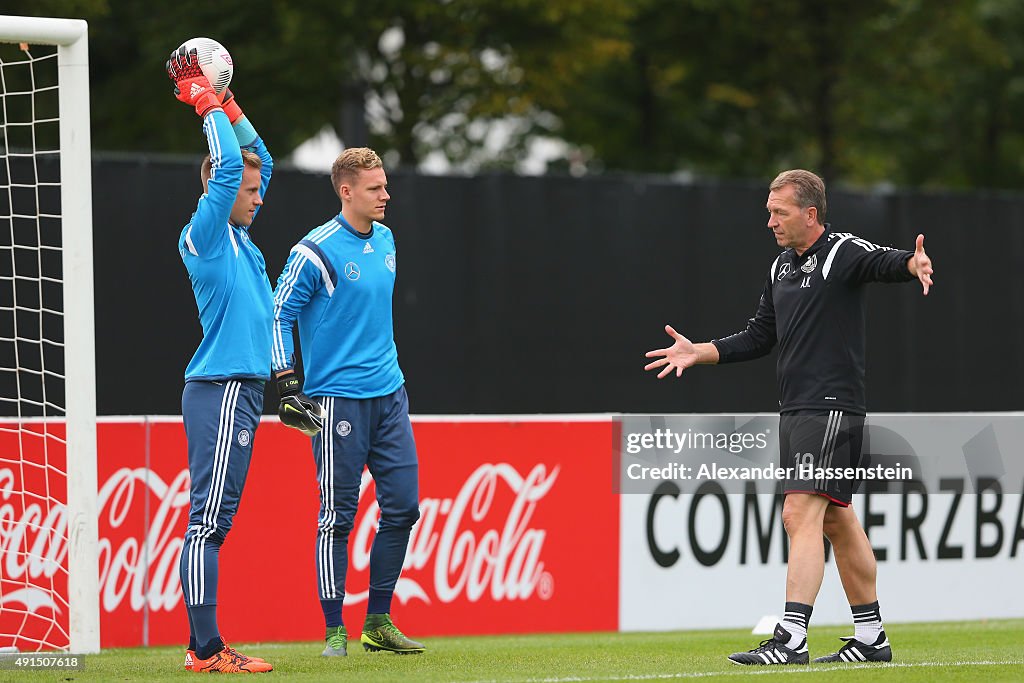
(813, 305)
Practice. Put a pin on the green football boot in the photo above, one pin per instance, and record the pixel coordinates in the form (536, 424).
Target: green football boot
(380, 634)
(337, 642)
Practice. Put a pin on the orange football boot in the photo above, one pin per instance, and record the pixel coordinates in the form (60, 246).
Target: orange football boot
(231, 661)
(255, 659)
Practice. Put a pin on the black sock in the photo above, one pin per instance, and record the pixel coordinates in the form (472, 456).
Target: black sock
(204, 625)
(191, 630)
(210, 649)
(332, 612)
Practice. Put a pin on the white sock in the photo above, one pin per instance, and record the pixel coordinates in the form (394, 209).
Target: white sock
(798, 615)
(867, 622)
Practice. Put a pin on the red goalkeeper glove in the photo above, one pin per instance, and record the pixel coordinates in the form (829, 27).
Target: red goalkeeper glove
(231, 108)
(190, 85)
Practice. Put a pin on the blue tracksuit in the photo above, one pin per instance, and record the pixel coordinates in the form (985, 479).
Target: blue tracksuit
(223, 397)
(338, 286)
(228, 273)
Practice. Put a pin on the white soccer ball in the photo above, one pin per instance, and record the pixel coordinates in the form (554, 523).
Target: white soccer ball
(214, 60)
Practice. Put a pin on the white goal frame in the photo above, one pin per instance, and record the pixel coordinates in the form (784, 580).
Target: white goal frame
(71, 38)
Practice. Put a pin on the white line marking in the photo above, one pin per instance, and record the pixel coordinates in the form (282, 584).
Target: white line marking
(753, 671)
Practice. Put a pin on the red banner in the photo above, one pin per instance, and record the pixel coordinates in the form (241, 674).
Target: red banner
(33, 535)
(518, 533)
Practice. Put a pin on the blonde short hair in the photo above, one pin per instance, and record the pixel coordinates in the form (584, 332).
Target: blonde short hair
(809, 189)
(350, 162)
(250, 159)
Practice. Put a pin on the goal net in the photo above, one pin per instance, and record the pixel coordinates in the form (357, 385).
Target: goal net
(49, 586)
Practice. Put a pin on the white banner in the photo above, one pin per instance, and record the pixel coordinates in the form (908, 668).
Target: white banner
(716, 560)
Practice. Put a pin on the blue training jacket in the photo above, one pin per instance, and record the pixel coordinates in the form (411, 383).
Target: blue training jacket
(227, 271)
(338, 285)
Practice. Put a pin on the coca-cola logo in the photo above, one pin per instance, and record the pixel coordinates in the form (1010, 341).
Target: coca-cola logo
(34, 545)
(144, 569)
(477, 543)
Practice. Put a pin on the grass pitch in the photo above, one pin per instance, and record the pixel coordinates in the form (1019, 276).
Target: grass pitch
(964, 651)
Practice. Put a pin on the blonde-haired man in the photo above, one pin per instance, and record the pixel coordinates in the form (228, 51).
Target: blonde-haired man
(337, 285)
(223, 397)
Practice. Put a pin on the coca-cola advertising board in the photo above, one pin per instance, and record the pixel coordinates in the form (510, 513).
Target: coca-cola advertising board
(519, 532)
(33, 535)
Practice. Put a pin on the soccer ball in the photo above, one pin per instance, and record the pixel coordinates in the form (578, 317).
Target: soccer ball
(214, 60)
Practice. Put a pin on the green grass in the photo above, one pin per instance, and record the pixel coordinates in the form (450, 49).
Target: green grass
(965, 651)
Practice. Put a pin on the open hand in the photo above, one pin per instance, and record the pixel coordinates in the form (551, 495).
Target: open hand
(921, 265)
(678, 357)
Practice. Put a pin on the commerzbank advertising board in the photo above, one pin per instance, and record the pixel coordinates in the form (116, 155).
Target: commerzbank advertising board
(703, 543)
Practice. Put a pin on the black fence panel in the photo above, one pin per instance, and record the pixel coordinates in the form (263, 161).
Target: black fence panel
(541, 294)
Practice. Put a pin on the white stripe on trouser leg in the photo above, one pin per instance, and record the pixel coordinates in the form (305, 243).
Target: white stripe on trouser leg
(321, 530)
(225, 428)
(333, 515)
(328, 539)
(219, 478)
(224, 440)
(818, 481)
(328, 589)
(835, 437)
(836, 428)
(191, 550)
(220, 474)
(329, 509)
(197, 543)
(828, 442)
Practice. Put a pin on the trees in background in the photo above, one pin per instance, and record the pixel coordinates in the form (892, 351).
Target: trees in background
(908, 92)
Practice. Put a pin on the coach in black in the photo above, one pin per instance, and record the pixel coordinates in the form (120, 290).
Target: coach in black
(813, 306)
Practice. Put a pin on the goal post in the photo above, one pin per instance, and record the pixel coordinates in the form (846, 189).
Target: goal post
(70, 36)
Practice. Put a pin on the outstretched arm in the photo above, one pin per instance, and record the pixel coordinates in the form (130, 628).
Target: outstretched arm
(756, 340)
(920, 265)
(681, 355)
(856, 260)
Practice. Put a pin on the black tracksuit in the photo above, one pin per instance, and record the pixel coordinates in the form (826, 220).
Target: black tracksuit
(813, 305)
